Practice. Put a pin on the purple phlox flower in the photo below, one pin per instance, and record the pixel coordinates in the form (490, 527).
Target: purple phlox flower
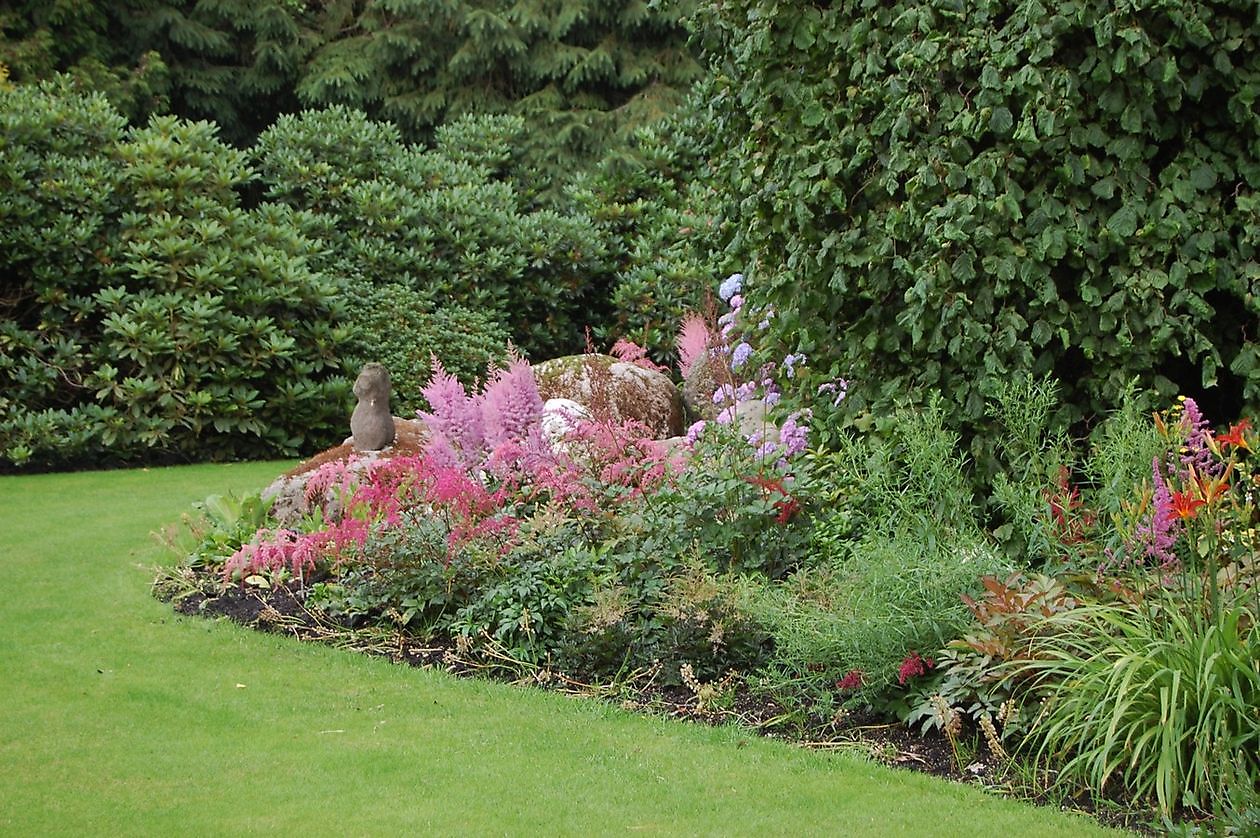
(731, 286)
(772, 397)
(764, 451)
(693, 433)
(794, 433)
(726, 330)
(743, 351)
(839, 388)
(737, 302)
(790, 362)
(745, 391)
(727, 416)
(755, 438)
(724, 392)
(727, 319)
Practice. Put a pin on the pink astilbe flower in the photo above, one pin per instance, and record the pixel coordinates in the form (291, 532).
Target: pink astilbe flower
(913, 666)
(852, 679)
(454, 415)
(631, 353)
(1155, 536)
(511, 405)
(694, 341)
(337, 476)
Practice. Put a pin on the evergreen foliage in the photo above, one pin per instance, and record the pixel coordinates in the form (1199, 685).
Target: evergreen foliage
(81, 39)
(439, 222)
(401, 328)
(665, 223)
(940, 195)
(580, 72)
(145, 312)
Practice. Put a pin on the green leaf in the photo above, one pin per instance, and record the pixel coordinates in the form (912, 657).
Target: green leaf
(1001, 121)
(1123, 222)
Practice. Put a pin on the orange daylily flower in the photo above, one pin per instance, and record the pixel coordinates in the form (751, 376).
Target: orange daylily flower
(1235, 435)
(1186, 505)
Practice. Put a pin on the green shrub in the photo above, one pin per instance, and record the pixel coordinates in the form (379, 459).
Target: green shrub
(441, 222)
(664, 221)
(151, 315)
(939, 196)
(401, 328)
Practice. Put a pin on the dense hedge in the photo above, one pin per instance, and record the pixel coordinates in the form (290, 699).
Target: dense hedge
(145, 313)
(938, 195)
(665, 224)
(443, 222)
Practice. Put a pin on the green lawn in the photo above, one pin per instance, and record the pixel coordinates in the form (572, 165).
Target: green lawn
(118, 717)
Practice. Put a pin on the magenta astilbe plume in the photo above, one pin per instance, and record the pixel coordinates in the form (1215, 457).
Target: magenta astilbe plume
(1155, 537)
(453, 414)
(631, 353)
(511, 405)
(339, 476)
(694, 340)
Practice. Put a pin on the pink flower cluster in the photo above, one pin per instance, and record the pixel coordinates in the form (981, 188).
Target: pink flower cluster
(486, 457)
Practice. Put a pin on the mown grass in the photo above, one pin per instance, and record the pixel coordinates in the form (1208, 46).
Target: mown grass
(118, 717)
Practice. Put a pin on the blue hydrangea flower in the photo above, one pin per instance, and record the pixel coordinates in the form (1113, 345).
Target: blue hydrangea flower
(743, 351)
(731, 286)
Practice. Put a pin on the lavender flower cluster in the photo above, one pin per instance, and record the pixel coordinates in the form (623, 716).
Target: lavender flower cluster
(738, 387)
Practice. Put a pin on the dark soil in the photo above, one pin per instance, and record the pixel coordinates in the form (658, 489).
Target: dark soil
(281, 610)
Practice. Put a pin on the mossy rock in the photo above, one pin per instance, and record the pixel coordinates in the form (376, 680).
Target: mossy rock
(614, 390)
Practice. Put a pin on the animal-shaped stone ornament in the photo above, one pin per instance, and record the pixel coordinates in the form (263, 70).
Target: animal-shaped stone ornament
(372, 423)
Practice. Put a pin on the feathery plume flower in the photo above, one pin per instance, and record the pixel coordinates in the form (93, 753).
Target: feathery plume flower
(511, 405)
(694, 340)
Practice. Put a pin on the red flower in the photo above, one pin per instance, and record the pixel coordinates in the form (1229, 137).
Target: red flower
(1235, 435)
(912, 667)
(787, 505)
(851, 680)
(1185, 505)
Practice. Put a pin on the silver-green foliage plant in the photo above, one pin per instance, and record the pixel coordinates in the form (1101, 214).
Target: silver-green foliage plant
(892, 560)
(1036, 456)
(149, 314)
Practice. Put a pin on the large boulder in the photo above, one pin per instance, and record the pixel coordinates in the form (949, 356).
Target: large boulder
(614, 390)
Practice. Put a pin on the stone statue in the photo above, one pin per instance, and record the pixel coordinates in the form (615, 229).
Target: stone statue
(372, 423)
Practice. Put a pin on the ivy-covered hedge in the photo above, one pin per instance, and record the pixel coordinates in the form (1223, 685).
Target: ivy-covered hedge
(145, 313)
(938, 195)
